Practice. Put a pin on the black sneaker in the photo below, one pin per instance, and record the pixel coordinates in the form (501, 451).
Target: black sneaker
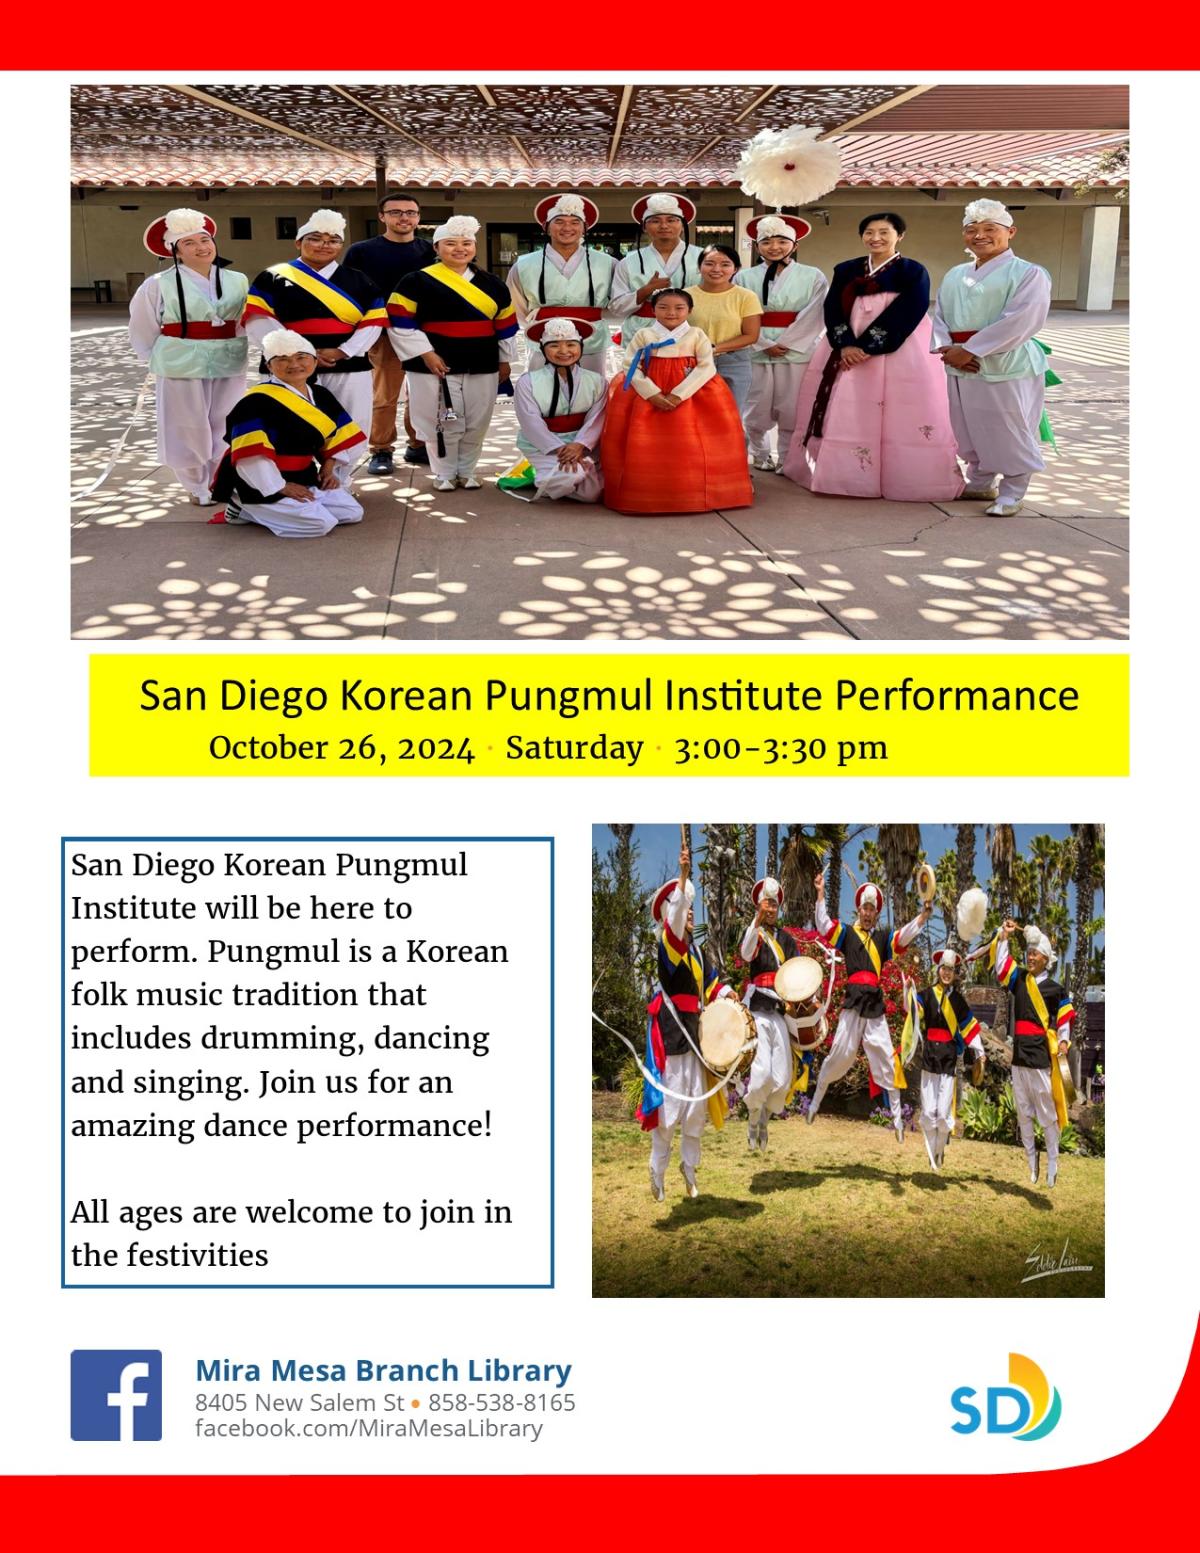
(381, 463)
(415, 453)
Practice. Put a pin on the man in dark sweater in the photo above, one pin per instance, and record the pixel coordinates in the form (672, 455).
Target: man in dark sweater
(396, 252)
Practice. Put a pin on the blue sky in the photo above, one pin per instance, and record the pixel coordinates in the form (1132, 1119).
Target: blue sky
(659, 857)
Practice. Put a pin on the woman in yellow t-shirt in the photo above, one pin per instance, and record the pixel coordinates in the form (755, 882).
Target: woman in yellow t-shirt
(730, 315)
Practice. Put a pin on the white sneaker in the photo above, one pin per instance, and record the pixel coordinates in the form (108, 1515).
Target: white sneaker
(762, 1137)
(930, 1150)
(752, 1135)
(980, 493)
(767, 464)
(1052, 1173)
(898, 1123)
(471, 483)
(810, 1115)
(443, 485)
(1033, 1171)
(657, 1189)
(1004, 509)
(689, 1182)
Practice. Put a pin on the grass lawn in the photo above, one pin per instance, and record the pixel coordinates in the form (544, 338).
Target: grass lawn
(838, 1209)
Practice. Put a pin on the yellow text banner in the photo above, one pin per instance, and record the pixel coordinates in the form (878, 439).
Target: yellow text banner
(497, 714)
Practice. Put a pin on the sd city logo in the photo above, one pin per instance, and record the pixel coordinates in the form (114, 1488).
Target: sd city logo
(1038, 1406)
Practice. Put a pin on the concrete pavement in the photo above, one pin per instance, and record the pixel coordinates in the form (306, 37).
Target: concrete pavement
(480, 566)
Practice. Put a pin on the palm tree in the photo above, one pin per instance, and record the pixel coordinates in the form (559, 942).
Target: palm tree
(839, 835)
(1089, 840)
(1002, 850)
(773, 851)
(803, 855)
(1044, 856)
(899, 850)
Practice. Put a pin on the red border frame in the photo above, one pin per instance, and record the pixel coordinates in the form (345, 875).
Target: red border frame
(84, 37)
(1148, 1484)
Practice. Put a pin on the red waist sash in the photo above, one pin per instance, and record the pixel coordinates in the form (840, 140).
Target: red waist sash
(565, 422)
(960, 336)
(938, 1034)
(777, 320)
(645, 311)
(1027, 1027)
(767, 979)
(686, 1002)
(461, 329)
(202, 329)
(588, 314)
(287, 461)
(864, 979)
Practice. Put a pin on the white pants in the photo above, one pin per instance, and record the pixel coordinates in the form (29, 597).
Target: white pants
(771, 1072)
(687, 1076)
(937, 1094)
(191, 426)
(873, 1036)
(996, 428)
(354, 392)
(772, 402)
(473, 395)
(583, 482)
(292, 519)
(1035, 1099)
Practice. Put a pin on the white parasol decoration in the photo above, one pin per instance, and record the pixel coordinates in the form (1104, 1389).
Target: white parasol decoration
(789, 166)
(972, 912)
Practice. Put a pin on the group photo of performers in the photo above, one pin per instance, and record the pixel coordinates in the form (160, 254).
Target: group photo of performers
(654, 384)
(882, 1079)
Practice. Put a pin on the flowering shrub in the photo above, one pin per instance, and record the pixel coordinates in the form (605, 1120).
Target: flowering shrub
(882, 1116)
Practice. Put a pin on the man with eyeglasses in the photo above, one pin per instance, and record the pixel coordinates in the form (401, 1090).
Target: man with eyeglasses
(396, 252)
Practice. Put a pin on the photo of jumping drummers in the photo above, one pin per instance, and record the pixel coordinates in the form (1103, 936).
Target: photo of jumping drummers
(812, 1078)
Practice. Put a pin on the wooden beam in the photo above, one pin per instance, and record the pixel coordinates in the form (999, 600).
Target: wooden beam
(871, 113)
(397, 129)
(256, 118)
(508, 134)
(744, 114)
(619, 127)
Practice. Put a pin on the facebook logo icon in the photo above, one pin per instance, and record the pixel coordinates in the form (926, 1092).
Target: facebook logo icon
(116, 1394)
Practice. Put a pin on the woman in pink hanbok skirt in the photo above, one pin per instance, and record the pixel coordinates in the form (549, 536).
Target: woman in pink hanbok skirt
(873, 417)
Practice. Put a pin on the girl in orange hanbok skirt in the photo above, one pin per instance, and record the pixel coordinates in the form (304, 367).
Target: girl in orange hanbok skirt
(673, 439)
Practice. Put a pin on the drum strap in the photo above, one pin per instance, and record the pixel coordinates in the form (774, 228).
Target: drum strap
(657, 1082)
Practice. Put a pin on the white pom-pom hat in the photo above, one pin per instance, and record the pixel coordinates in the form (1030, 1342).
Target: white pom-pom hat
(286, 342)
(664, 205)
(546, 331)
(457, 226)
(331, 221)
(555, 205)
(161, 236)
(1036, 939)
(789, 166)
(987, 210)
(868, 892)
(794, 228)
(768, 889)
(946, 957)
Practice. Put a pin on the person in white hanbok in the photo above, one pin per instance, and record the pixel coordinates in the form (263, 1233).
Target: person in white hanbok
(984, 324)
(560, 413)
(185, 326)
(792, 297)
(670, 260)
(565, 278)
